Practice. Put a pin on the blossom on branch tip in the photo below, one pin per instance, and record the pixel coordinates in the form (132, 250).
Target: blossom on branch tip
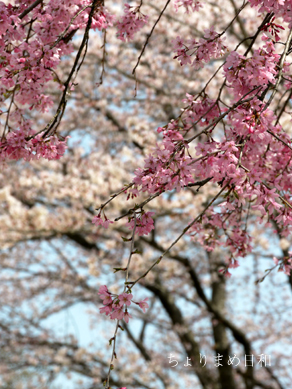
(127, 316)
(113, 304)
(225, 272)
(125, 298)
(107, 309)
(143, 305)
(98, 221)
(285, 264)
(102, 19)
(118, 314)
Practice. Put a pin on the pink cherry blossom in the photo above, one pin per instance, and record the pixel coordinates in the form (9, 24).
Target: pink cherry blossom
(143, 305)
(118, 314)
(144, 223)
(127, 316)
(125, 298)
(194, 5)
(199, 52)
(98, 221)
(132, 21)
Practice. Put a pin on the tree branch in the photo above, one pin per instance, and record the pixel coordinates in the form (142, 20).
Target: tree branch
(30, 8)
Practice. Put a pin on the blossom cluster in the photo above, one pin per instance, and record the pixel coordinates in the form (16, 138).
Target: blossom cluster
(194, 5)
(28, 62)
(236, 160)
(244, 74)
(99, 221)
(201, 111)
(273, 29)
(285, 264)
(242, 166)
(114, 304)
(144, 223)
(19, 145)
(280, 8)
(197, 53)
(132, 21)
(168, 166)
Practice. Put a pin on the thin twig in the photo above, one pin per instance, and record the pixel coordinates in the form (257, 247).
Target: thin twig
(141, 205)
(284, 55)
(115, 195)
(283, 107)
(103, 59)
(235, 17)
(179, 237)
(279, 139)
(131, 250)
(112, 357)
(150, 198)
(63, 102)
(239, 102)
(149, 35)
(266, 20)
(111, 367)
